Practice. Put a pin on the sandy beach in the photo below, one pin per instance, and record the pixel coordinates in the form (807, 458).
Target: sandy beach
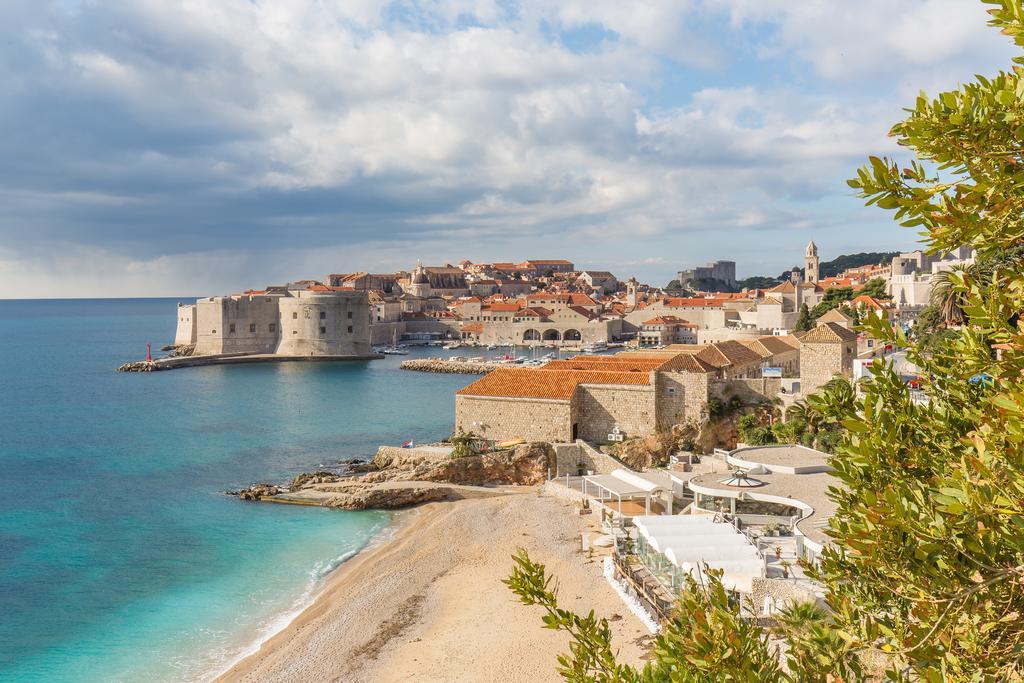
(429, 604)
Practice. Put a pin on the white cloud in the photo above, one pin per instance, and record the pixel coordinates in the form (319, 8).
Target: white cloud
(156, 130)
(910, 40)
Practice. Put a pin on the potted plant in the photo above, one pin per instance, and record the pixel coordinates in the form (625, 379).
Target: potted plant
(785, 569)
(581, 469)
(778, 552)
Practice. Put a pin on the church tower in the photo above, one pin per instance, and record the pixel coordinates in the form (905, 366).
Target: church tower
(631, 292)
(811, 262)
(420, 283)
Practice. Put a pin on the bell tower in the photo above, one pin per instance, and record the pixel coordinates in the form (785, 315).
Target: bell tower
(811, 262)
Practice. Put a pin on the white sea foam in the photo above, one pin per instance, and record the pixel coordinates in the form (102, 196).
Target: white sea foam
(632, 603)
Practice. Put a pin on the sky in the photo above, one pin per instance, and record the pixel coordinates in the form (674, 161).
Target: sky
(200, 147)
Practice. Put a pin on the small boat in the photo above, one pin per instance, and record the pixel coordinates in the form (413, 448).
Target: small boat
(451, 345)
(395, 349)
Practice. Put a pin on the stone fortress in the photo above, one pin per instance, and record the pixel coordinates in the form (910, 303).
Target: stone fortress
(724, 271)
(280, 321)
(534, 303)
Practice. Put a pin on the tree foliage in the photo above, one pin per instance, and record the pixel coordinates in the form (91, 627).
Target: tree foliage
(846, 261)
(925, 578)
(875, 288)
(804, 320)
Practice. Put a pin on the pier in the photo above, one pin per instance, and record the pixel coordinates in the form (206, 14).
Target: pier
(175, 362)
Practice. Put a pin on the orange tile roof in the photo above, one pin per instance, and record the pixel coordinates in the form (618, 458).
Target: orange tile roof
(503, 307)
(766, 347)
(472, 327)
(687, 362)
(550, 384)
(668, 320)
(691, 302)
(868, 301)
(724, 353)
(610, 363)
(829, 333)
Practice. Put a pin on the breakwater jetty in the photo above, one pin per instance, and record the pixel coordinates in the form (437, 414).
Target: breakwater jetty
(455, 367)
(174, 362)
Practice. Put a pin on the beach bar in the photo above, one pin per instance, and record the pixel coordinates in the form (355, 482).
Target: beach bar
(673, 547)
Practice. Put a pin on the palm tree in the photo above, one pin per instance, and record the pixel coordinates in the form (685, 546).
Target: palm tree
(949, 291)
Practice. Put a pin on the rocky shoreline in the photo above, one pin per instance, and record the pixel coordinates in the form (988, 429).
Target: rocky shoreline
(399, 477)
(454, 367)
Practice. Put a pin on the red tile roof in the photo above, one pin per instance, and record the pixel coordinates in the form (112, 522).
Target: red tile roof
(550, 384)
(828, 333)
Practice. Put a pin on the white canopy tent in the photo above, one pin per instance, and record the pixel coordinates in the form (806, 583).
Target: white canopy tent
(736, 574)
(677, 555)
(661, 543)
(623, 484)
(674, 546)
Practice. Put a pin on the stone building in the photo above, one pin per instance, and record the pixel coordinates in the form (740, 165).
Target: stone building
(600, 281)
(585, 399)
(317, 321)
(542, 266)
(778, 352)
(634, 393)
(724, 271)
(910, 276)
(386, 283)
(827, 351)
(667, 329)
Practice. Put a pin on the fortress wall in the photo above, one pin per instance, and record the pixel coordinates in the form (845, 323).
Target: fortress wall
(185, 334)
(236, 325)
(385, 332)
(335, 324)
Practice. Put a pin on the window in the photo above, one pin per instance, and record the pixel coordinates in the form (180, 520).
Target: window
(252, 327)
(213, 331)
(272, 327)
(295, 331)
(305, 313)
(231, 328)
(323, 315)
(350, 329)
(323, 330)
(295, 315)
(350, 315)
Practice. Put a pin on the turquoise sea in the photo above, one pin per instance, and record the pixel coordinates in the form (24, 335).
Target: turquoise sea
(120, 557)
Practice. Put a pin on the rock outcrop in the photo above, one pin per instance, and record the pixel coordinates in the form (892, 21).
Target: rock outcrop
(258, 492)
(401, 477)
(525, 464)
(308, 478)
(387, 497)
